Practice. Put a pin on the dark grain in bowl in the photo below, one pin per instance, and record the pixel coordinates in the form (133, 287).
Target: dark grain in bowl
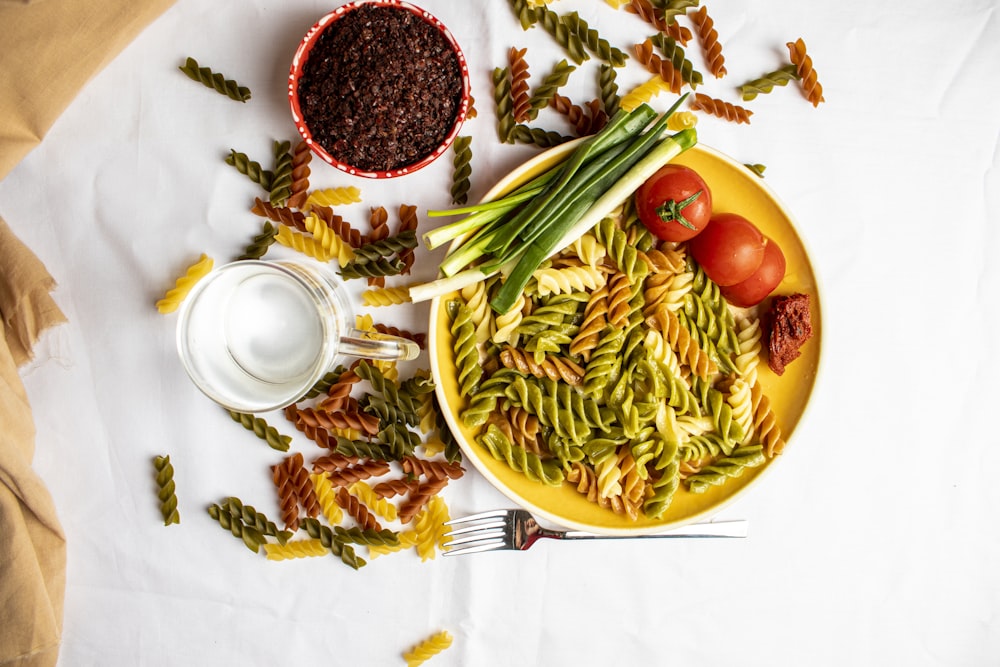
(381, 88)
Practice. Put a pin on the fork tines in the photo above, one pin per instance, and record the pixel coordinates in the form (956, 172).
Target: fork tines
(485, 531)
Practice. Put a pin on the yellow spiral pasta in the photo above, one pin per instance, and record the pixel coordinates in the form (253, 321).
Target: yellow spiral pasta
(374, 502)
(569, 279)
(765, 422)
(307, 245)
(430, 528)
(427, 648)
(748, 335)
(295, 549)
(590, 251)
(331, 242)
(643, 93)
(171, 301)
(385, 296)
(479, 304)
(333, 197)
(364, 322)
(507, 323)
(609, 476)
(740, 400)
(680, 339)
(326, 496)
(681, 120)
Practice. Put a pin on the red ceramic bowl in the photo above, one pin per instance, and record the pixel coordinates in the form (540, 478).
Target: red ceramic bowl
(302, 55)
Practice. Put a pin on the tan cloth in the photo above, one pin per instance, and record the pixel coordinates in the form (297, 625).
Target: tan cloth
(48, 51)
(32, 547)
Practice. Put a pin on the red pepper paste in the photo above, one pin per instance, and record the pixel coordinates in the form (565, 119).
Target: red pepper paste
(790, 327)
(381, 88)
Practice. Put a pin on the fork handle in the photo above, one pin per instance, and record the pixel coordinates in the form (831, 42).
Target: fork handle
(735, 528)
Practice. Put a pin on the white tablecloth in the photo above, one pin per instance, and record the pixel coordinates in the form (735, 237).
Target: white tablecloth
(874, 539)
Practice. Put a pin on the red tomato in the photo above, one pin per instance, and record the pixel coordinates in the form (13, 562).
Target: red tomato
(761, 282)
(730, 249)
(674, 203)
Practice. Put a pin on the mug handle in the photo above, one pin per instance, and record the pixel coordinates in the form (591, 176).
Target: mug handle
(373, 345)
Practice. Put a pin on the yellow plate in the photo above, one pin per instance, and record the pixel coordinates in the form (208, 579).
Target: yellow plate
(734, 189)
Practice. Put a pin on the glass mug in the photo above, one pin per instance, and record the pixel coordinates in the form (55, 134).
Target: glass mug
(256, 335)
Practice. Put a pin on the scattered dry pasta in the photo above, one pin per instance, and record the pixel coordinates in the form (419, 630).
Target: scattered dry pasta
(172, 300)
(427, 648)
(808, 79)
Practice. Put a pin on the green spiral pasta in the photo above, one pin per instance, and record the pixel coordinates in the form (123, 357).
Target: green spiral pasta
(715, 405)
(549, 86)
(524, 134)
(525, 13)
(261, 243)
(624, 255)
(466, 354)
(604, 364)
(281, 186)
(366, 536)
(329, 539)
(504, 105)
(563, 33)
(520, 459)
(378, 268)
(766, 83)
(323, 385)
(400, 440)
(390, 245)
(673, 52)
(452, 450)
(251, 517)
(250, 169)
(252, 538)
(167, 492)
(666, 485)
(262, 430)
(210, 79)
(364, 449)
(484, 400)
(733, 465)
(462, 170)
(607, 81)
(597, 45)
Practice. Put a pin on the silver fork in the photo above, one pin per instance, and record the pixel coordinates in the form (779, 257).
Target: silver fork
(517, 530)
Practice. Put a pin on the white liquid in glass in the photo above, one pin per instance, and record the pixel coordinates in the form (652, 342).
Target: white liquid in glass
(257, 338)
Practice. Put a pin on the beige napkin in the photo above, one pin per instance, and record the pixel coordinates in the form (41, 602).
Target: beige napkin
(32, 548)
(48, 51)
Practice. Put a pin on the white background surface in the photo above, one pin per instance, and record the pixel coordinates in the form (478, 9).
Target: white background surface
(875, 538)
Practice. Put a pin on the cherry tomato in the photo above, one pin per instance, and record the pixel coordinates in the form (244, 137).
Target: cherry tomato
(761, 282)
(674, 203)
(729, 249)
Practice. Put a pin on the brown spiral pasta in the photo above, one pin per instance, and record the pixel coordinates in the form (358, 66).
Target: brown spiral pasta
(280, 214)
(721, 108)
(619, 299)
(645, 10)
(339, 392)
(680, 341)
(350, 504)
(656, 288)
(595, 318)
(395, 487)
(709, 38)
(417, 499)
(333, 462)
(520, 93)
(521, 428)
(379, 220)
(419, 338)
(365, 469)
(317, 434)
(432, 469)
(304, 491)
(288, 499)
(765, 422)
(301, 157)
(657, 65)
(553, 367)
(339, 226)
(585, 121)
(360, 421)
(808, 80)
